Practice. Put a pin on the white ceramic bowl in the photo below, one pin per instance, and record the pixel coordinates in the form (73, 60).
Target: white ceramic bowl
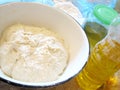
(45, 16)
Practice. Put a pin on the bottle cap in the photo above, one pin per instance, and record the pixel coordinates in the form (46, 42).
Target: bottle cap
(104, 13)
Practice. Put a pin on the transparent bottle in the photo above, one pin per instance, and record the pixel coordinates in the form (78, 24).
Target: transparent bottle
(96, 27)
(113, 83)
(117, 6)
(104, 60)
(95, 32)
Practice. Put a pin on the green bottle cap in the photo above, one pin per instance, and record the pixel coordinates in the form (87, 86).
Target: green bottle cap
(104, 14)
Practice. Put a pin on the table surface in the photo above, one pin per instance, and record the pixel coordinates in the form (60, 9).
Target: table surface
(70, 85)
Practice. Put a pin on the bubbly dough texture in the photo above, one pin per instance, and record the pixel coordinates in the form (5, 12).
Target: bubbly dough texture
(32, 54)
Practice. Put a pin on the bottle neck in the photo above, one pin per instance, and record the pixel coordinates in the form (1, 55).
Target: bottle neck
(114, 30)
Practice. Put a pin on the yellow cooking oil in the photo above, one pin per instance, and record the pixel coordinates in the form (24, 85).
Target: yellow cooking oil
(104, 59)
(95, 32)
(103, 62)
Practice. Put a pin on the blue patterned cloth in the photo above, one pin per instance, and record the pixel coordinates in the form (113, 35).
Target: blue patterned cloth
(47, 2)
(86, 7)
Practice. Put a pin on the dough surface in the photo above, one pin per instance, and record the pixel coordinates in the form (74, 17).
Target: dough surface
(32, 54)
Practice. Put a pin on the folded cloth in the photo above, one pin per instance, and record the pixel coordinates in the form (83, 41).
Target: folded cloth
(48, 2)
(86, 6)
(70, 9)
(7, 1)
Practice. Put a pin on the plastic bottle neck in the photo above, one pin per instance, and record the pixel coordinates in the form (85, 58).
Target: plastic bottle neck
(114, 30)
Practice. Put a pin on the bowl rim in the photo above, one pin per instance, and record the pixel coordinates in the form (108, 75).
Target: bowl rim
(57, 83)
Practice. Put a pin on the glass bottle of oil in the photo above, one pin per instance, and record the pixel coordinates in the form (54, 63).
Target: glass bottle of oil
(104, 60)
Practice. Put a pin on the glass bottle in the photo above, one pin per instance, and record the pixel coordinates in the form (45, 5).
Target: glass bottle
(104, 60)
